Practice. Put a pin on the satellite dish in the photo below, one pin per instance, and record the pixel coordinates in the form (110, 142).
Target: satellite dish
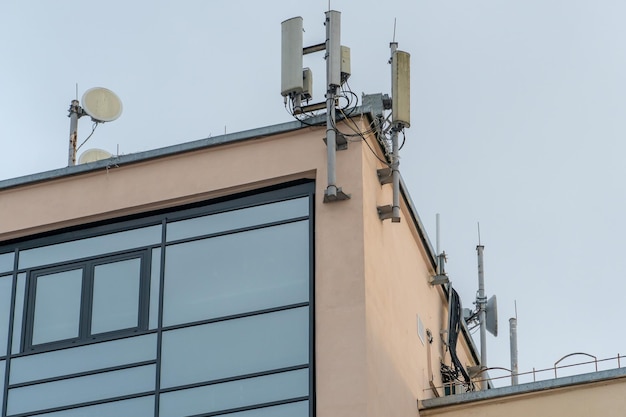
(491, 316)
(93, 155)
(101, 104)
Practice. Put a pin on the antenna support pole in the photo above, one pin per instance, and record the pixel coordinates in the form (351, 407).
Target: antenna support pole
(395, 175)
(75, 113)
(481, 304)
(393, 212)
(513, 342)
(395, 159)
(333, 81)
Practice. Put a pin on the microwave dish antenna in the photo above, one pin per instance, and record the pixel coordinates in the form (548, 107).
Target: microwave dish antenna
(93, 155)
(101, 104)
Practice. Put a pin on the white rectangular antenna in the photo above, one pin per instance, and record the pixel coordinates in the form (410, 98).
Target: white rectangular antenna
(307, 84)
(401, 88)
(345, 63)
(291, 56)
(333, 48)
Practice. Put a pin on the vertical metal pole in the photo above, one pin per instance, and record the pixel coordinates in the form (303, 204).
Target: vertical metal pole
(481, 303)
(333, 69)
(449, 335)
(74, 115)
(437, 231)
(513, 342)
(331, 144)
(395, 159)
(395, 172)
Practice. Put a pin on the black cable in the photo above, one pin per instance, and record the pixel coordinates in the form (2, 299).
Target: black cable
(453, 332)
(292, 112)
(93, 129)
(403, 140)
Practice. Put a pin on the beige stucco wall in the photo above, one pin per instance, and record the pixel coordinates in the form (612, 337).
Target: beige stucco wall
(604, 399)
(371, 275)
(397, 291)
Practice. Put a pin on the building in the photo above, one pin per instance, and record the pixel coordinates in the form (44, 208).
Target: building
(211, 276)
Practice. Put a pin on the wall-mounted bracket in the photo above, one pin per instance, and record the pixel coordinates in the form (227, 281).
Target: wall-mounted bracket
(439, 280)
(341, 143)
(385, 175)
(386, 212)
(334, 194)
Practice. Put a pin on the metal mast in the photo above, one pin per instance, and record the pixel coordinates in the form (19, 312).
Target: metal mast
(481, 304)
(513, 342)
(75, 113)
(333, 81)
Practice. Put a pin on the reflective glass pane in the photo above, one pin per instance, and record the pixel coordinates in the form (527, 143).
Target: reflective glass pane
(238, 219)
(77, 249)
(235, 394)
(298, 409)
(237, 273)
(136, 407)
(18, 313)
(116, 296)
(80, 390)
(6, 284)
(83, 358)
(6, 262)
(2, 369)
(235, 347)
(155, 286)
(57, 306)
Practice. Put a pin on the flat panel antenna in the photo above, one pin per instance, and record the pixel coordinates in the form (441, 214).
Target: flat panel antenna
(401, 88)
(291, 56)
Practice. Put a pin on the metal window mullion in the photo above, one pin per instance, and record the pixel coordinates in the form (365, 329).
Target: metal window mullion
(86, 302)
(143, 310)
(10, 335)
(312, 378)
(157, 379)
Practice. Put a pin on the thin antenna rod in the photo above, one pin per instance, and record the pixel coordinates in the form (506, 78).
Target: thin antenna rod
(437, 233)
(478, 233)
(394, 29)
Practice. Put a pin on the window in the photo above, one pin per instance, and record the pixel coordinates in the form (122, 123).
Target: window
(88, 300)
(205, 309)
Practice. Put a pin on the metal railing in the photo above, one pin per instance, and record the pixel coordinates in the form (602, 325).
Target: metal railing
(538, 373)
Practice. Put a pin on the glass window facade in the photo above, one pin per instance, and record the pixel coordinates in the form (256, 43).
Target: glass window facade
(198, 311)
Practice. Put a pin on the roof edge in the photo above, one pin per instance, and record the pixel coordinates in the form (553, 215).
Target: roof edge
(371, 104)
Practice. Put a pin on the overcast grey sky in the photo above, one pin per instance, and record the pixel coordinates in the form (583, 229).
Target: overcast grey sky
(517, 123)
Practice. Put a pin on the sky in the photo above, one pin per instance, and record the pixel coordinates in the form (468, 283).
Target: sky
(517, 124)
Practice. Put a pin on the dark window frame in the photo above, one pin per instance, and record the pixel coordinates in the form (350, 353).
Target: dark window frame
(256, 197)
(86, 304)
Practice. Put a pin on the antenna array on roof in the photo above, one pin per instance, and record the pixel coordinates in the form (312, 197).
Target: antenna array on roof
(101, 105)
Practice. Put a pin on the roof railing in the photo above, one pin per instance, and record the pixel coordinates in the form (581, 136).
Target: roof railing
(536, 372)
